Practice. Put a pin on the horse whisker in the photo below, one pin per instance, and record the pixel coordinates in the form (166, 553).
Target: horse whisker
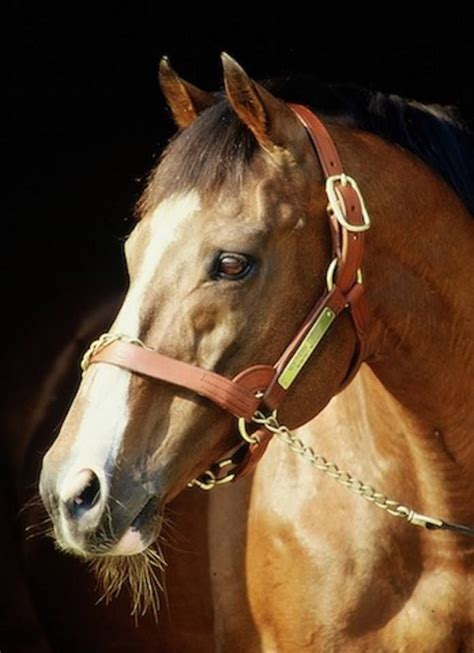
(138, 573)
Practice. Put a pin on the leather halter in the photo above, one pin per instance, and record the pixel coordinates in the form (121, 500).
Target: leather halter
(264, 387)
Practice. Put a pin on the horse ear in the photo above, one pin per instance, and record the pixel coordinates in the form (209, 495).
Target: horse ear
(185, 100)
(256, 107)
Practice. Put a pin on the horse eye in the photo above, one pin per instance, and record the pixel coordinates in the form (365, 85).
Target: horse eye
(232, 266)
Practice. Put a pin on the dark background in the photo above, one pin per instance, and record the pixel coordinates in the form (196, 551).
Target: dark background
(85, 119)
(83, 122)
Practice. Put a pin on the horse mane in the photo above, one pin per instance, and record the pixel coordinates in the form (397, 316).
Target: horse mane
(217, 148)
(436, 134)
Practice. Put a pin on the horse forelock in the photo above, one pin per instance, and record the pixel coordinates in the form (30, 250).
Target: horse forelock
(215, 151)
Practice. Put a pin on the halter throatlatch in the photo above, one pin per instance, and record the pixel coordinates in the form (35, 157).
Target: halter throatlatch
(254, 394)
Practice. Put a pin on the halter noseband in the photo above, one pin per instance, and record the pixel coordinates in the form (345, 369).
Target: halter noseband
(263, 387)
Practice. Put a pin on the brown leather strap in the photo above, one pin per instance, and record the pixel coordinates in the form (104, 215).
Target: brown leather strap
(322, 141)
(348, 247)
(236, 398)
(348, 250)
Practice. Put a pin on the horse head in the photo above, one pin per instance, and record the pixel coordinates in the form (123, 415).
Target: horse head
(229, 255)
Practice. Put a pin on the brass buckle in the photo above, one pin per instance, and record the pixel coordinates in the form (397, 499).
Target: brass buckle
(336, 202)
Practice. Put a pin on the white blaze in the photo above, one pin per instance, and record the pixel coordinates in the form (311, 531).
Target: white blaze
(166, 226)
(105, 388)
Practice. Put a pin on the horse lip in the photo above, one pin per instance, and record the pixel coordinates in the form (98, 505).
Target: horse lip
(146, 513)
(141, 532)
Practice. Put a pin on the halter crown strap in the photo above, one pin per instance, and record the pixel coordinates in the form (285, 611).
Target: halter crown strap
(348, 231)
(348, 220)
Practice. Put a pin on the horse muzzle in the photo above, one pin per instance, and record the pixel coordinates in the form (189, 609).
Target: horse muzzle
(92, 517)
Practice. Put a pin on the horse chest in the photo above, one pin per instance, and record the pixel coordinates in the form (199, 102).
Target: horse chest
(298, 572)
(354, 599)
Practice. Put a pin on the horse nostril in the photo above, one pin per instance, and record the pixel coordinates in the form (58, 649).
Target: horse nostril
(81, 493)
(89, 495)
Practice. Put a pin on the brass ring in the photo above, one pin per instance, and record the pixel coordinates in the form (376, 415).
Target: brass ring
(330, 274)
(245, 435)
(331, 271)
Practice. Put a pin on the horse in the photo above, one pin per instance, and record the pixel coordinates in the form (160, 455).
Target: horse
(229, 254)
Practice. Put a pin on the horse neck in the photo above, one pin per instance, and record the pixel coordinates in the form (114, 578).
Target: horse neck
(418, 277)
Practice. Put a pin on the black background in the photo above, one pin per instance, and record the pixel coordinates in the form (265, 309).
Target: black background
(83, 122)
(85, 119)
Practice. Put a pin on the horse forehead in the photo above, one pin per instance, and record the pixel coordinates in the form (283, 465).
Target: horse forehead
(165, 225)
(148, 245)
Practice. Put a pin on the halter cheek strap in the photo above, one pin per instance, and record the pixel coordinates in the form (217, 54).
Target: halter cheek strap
(265, 385)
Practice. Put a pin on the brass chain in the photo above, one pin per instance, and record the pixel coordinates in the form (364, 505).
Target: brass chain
(345, 478)
(105, 340)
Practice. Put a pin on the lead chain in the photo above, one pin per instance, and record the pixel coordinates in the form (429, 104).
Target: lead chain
(105, 340)
(345, 478)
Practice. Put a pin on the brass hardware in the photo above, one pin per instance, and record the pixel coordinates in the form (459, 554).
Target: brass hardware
(336, 202)
(258, 418)
(418, 519)
(208, 480)
(306, 348)
(105, 340)
(242, 424)
(330, 274)
(332, 270)
(244, 434)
